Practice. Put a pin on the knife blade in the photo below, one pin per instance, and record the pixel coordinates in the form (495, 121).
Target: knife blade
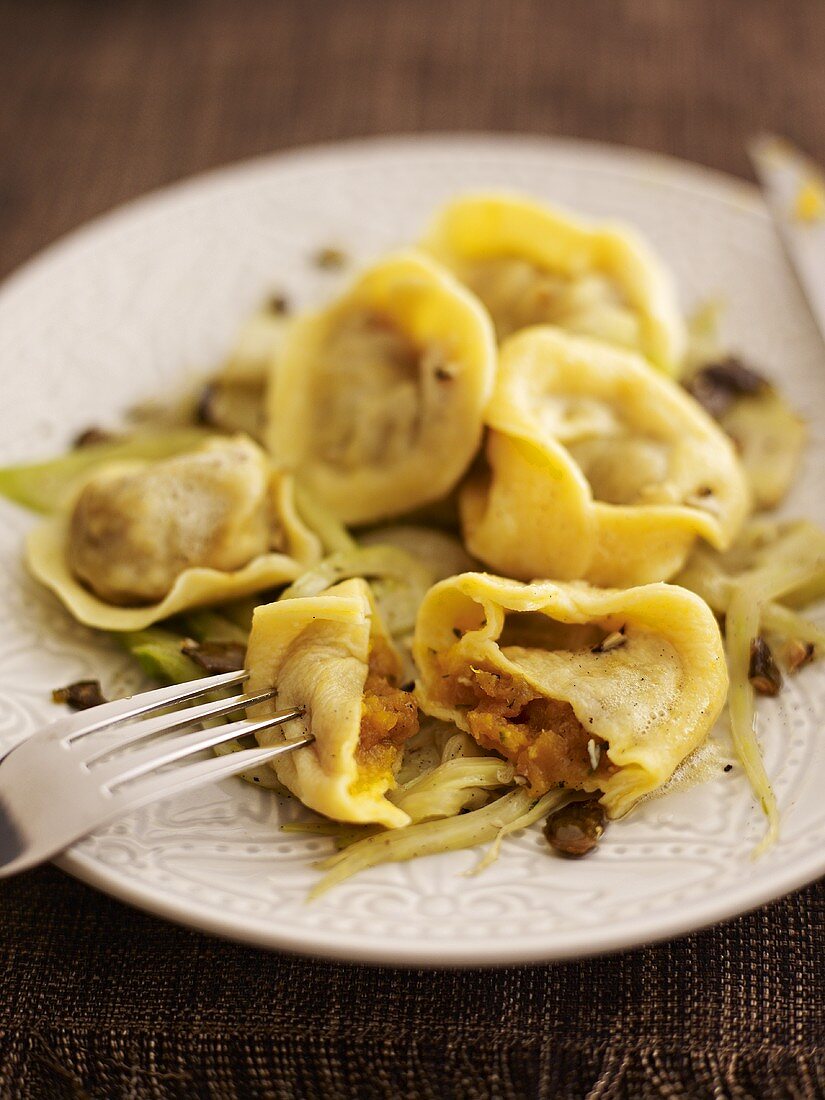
(794, 188)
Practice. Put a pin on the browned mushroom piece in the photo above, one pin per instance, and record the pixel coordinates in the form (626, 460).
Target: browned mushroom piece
(90, 437)
(80, 695)
(763, 671)
(576, 828)
(215, 657)
(278, 304)
(232, 405)
(718, 385)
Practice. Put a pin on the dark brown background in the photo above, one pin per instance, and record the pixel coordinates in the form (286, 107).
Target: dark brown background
(101, 101)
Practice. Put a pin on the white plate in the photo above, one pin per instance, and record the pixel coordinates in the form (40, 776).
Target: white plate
(123, 308)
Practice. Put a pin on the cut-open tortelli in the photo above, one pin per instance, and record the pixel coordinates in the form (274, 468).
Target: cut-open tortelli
(140, 541)
(596, 467)
(579, 687)
(331, 655)
(378, 398)
(532, 264)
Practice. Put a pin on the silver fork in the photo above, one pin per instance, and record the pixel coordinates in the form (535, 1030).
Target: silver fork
(74, 775)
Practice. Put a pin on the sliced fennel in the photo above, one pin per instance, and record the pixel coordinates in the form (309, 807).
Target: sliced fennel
(443, 772)
(340, 833)
(427, 838)
(788, 564)
(786, 624)
(770, 439)
(451, 787)
(338, 830)
(158, 652)
(742, 626)
(704, 576)
(768, 435)
(240, 611)
(212, 626)
(398, 580)
(785, 562)
(771, 569)
(771, 580)
(547, 804)
(443, 553)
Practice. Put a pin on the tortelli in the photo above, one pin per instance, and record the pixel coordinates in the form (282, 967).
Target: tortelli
(377, 400)
(139, 541)
(578, 687)
(596, 468)
(531, 264)
(331, 654)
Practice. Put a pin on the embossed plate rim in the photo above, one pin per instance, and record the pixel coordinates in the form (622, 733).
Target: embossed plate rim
(626, 935)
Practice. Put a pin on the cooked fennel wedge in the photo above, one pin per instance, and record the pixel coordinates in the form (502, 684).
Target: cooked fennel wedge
(768, 435)
(769, 438)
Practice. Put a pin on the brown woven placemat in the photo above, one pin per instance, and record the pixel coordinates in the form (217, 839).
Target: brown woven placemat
(99, 1000)
(101, 101)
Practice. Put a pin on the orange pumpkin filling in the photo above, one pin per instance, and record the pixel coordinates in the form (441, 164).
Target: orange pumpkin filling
(389, 716)
(542, 737)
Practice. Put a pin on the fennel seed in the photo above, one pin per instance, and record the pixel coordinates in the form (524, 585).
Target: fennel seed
(612, 641)
(594, 752)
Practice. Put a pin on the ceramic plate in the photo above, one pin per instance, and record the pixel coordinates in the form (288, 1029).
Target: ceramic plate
(131, 304)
